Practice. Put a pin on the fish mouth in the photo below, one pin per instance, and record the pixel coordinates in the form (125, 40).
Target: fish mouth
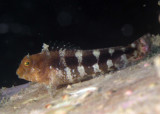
(20, 73)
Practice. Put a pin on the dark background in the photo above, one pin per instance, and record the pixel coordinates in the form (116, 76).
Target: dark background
(26, 24)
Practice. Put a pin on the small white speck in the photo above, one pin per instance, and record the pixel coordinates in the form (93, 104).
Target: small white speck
(96, 68)
(82, 91)
(50, 67)
(109, 63)
(144, 5)
(68, 72)
(133, 45)
(62, 54)
(81, 71)
(123, 49)
(96, 53)
(111, 51)
(45, 47)
(78, 54)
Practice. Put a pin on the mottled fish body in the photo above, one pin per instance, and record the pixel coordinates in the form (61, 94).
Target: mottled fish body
(65, 66)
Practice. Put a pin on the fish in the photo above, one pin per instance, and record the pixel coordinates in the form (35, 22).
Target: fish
(68, 66)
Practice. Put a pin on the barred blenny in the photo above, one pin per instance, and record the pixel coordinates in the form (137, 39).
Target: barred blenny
(66, 66)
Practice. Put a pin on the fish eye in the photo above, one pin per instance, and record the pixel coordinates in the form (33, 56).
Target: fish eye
(27, 63)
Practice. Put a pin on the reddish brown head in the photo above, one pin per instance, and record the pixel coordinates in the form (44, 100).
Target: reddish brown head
(32, 68)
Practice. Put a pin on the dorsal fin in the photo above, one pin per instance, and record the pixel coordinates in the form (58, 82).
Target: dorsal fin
(57, 45)
(45, 47)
